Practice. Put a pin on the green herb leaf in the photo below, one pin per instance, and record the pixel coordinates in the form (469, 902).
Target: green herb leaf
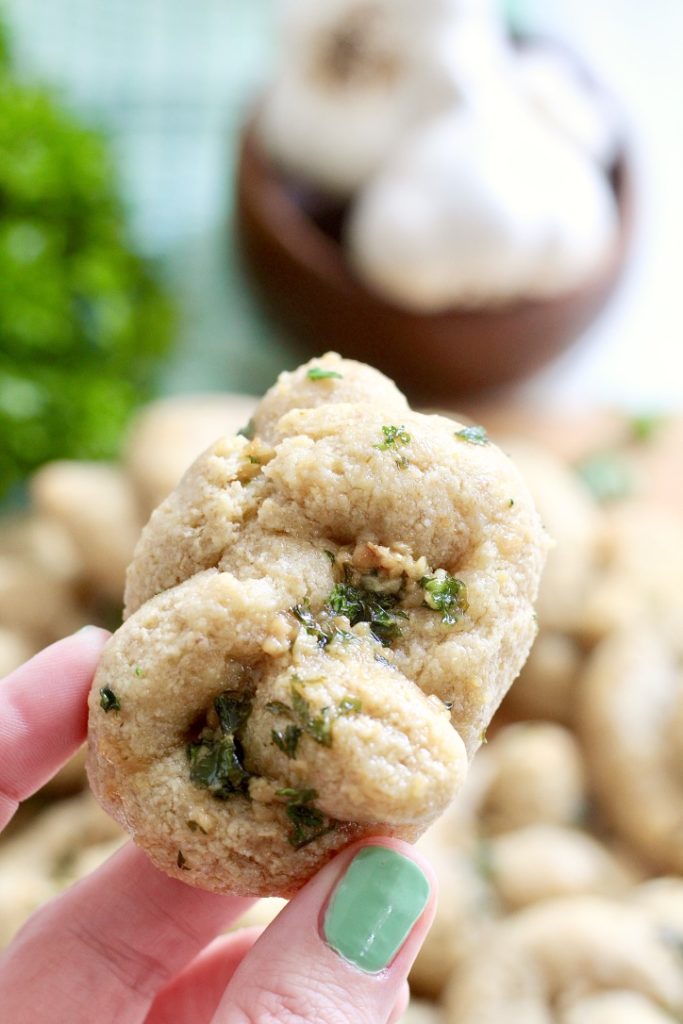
(475, 435)
(607, 476)
(108, 700)
(287, 739)
(232, 711)
(324, 634)
(138, 672)
(349, 706)
(249, 431)
(317, 373)
(332, 557)
(308, 823)
(445, 594)
(644, 426)
(277, 707)
(303, 613)
(216, 761)
(194, 826)
(359, 605)
(393, 437)
(320, 727)
(216, 765)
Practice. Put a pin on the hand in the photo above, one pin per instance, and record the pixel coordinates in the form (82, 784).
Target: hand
(131, 946)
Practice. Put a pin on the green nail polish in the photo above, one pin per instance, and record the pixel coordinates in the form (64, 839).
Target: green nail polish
(374, 907)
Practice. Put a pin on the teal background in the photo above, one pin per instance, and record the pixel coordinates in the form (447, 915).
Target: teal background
(171, 82)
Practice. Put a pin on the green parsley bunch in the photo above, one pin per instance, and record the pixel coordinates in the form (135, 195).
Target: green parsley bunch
(84, 320)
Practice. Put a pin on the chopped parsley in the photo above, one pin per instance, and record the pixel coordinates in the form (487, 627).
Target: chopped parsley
(393, 437)
(475, 435)
(331, 555)
(308, 823)
(194, 826)
(644, 426)
(181, 862)
(607, 476)
(287, 739)
(445, 594)
(108, 700)
(324, 634)
(318, 727)
(249, 431)
(139, 672)
(349, 706)
(317, 373)
(378, 610)
(216, 758)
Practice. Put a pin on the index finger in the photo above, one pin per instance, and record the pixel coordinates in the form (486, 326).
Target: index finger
(43, 715)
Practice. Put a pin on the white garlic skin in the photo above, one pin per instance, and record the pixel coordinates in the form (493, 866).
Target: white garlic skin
(484, 205)
(355, 77)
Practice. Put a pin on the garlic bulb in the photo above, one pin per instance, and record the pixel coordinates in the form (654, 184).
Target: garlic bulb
(355, 76)
(566, 100)
(485, 204)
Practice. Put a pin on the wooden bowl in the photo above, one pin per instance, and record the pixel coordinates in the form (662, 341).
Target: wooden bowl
(289, 239)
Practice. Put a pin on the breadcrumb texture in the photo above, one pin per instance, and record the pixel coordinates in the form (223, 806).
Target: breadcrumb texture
(359, 719)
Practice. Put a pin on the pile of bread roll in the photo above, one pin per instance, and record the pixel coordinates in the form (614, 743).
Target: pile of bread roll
(561, 867)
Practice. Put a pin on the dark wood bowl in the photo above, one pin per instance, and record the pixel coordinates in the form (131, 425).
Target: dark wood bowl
(289, 239)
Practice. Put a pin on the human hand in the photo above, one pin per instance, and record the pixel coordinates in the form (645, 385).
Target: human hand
(128, 944)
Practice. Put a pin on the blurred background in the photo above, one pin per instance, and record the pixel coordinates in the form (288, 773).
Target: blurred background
(170, 84)
(148, 253)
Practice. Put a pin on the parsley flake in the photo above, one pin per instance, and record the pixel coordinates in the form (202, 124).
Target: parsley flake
(308, 823)
(318, 727)
(324, 634)
(249, 431)
(378, 610)
(317, 373)
(393, 437)
(287, 739)
(194, 826)
(475, 435)
(607, 476)
(216, 759)
(644, 426)
(108, 700)
(445, 594)
(349, 706)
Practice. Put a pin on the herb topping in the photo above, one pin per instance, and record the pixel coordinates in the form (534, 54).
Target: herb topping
(445, 594)
(181, 862)
(475, 435)
(108, 700)
(607, 476)
(317, 373)
(318, 727)
(308, 823)
(216, 759)
(359, 605)
(249, 431)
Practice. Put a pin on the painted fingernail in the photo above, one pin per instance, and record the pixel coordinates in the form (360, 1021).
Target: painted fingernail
(374, 907)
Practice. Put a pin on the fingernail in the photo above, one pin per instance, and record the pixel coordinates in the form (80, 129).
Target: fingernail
(374, 907)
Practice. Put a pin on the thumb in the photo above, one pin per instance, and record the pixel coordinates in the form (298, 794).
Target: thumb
(342, 949)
